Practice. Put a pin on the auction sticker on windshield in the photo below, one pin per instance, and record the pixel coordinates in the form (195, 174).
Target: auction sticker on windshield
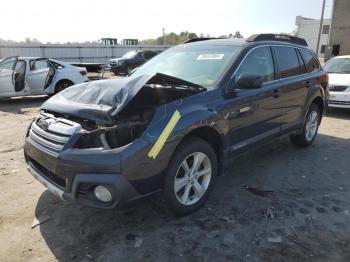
(210, 57)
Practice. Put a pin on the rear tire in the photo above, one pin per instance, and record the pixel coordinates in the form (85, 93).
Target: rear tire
(190, 176)
(310, 128)
(61, 85)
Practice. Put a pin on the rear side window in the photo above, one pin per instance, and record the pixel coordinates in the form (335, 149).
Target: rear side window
(287, 60)
(38, 64)
(56, 65)
(310, 61)
(258, 62)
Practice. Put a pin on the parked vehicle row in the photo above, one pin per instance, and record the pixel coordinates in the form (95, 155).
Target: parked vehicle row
(21, 76)
(177, 121)
(130, 60)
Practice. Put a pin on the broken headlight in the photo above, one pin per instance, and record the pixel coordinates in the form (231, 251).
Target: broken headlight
(111, 137)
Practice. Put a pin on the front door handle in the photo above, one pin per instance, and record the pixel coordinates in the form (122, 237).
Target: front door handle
(275, 93)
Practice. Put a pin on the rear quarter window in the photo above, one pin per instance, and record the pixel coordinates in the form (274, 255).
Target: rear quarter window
(310, 61)
(287, 61)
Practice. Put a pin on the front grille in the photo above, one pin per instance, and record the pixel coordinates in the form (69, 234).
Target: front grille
(337, 88)
(52, 177)
(46, 140)
(51, 134)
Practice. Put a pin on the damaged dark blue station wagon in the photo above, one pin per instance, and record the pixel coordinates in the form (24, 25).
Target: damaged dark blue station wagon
(176, 122)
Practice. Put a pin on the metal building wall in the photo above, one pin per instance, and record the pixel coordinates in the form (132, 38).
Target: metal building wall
(73, 53)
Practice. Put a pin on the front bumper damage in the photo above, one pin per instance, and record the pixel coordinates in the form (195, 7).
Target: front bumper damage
(107, 133)
(72, 177)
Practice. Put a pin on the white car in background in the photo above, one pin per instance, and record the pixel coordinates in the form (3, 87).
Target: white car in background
(338, 69)
(21, 76)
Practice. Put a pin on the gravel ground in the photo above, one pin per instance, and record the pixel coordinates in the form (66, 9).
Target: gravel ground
(303, 214)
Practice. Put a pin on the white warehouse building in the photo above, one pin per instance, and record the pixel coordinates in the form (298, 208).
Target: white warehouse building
(308, 29)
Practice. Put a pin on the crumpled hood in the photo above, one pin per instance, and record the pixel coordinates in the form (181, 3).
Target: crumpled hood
(99, 100)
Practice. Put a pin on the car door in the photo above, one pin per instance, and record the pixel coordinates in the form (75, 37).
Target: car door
(139, 59)
(254, 114)
(293, 89)
(149, 54)
(19, 75)
(38, 75)
(7, 74)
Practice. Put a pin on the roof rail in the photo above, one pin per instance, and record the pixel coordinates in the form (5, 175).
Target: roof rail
(198, 39)
(277, 37)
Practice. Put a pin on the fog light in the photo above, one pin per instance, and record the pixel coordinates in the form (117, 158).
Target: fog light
(103, 194)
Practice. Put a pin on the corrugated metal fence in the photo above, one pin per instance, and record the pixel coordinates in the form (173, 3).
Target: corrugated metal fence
(73, 53)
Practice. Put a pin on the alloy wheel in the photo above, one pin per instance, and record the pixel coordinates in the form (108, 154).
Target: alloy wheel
(311, 125)
(192, 178)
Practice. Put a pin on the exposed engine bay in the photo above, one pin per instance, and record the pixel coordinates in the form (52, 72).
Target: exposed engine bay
(119, 121)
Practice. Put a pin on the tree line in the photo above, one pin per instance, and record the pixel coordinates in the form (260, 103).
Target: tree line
(175, 39)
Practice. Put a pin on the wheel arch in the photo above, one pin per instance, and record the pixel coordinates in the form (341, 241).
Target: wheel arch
(319, 102)
(212, 137)
(316, 95)
(62, 80)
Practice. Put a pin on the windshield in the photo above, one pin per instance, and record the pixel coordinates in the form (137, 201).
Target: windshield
(129, 54)
(338, 66)
(201, 65)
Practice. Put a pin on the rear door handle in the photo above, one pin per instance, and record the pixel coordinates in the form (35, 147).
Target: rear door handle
(306, 83)
(275, 93)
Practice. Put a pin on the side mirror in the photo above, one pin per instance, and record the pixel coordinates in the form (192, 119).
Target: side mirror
(250, 81)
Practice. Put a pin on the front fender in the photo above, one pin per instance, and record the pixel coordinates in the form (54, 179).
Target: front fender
(190, 118)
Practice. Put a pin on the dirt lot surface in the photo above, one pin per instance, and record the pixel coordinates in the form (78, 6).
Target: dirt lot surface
(305, 217)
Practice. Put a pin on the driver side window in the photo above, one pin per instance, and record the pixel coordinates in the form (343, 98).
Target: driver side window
(139, 55)
(258, 62)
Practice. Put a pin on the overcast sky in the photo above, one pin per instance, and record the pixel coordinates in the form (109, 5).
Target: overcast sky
(89, 20)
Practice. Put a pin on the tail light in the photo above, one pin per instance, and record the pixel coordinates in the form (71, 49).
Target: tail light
(83, 73)
(324, 81)
(324, 78)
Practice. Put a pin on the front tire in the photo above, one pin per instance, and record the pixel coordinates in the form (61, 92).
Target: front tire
(128, 70)
(310, 128)
(190, 176)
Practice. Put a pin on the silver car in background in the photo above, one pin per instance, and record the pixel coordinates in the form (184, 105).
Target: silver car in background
(338, 69)
(21, 76)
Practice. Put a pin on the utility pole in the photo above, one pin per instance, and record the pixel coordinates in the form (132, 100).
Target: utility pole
(320, 30)
(163, 29)
(330, 26)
